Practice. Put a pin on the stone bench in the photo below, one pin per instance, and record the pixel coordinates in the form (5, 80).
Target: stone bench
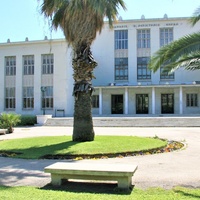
(122, 173)
(60, 110)
(3, 131)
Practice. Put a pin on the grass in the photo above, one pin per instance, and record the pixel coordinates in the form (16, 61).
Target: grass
(95, 192)
(40, 146)
(36, 147)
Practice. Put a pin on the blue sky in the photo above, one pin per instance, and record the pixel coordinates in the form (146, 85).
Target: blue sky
(21, 18)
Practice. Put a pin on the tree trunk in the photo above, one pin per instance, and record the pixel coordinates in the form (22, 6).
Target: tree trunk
(83, 125)
(83, 65)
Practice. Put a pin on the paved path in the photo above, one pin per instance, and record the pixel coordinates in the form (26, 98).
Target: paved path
(181, 168)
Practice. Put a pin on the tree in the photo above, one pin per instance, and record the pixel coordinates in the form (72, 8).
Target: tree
(80, 21)
(9, 120)
(184, 52)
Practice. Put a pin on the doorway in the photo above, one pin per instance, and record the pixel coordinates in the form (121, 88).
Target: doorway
(167, 103)
(117, 104)
(142, 104)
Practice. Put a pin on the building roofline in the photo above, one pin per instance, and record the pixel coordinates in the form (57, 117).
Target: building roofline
(120, 21)
(33, 42)
(150, 19)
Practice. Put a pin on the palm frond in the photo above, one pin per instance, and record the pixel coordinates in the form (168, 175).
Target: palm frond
(50, 7)
(187, 61)
(80, 20)
(196, 17)
(192, 61)
(172, 52)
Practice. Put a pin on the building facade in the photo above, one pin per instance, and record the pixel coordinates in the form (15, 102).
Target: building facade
(36, 76)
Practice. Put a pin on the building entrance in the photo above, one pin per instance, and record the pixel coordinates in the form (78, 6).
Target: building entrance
(167, 103)
(142, 104)
(117, 104)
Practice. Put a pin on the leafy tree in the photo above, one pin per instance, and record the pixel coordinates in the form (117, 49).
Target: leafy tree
(80, 21)
(9, 120)
(184, 52)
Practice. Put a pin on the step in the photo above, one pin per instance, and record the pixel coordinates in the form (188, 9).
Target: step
(131, 121)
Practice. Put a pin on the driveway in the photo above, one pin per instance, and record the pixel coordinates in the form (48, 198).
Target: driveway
(179, 168)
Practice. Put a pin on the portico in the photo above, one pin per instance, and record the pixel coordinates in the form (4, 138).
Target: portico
(147, 99)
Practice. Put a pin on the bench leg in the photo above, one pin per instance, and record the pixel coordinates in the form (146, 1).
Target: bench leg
(124, 182)
(56, 179)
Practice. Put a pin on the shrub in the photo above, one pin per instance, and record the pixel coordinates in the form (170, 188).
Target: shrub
(27, 120)
(9, 120)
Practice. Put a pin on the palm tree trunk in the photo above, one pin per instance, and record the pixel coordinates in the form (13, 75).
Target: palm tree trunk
(83, 65)
(83, 124)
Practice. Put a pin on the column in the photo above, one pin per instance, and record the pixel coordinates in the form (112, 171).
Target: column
(100, 101)
(2, 83)
(181, 100)
(18, 84)
(126, 101)
(37, 84)
(153, 101)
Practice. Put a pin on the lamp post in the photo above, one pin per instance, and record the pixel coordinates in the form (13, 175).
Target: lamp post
(43, 90)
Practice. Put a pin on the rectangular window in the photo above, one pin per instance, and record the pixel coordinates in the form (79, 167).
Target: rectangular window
(47, 97)
(142, 68)
(165, 75)
(191, 100)
(121, 68)
(95, 101)
(143, 38)
(28, 98)
(121, 39)
(10, 63)
(166, 36)
(28, 65)
(10, 98)
(47, 64)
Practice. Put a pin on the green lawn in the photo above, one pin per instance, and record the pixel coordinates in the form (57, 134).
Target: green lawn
(34, 148)
(98, 192)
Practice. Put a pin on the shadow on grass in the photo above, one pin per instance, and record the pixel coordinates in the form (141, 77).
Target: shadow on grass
(37, 151)
(186, 194)
(89, 187)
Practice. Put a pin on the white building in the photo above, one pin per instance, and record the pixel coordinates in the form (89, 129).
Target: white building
(123, 83)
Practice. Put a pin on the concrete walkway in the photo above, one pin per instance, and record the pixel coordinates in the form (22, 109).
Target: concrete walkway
(180, 168)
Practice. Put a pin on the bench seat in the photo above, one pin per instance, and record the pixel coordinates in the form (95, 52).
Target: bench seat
(3, 131)
(122, 173)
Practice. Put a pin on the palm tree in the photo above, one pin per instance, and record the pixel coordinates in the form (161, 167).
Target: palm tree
(9, 120)
(184, 52)
(80, 21)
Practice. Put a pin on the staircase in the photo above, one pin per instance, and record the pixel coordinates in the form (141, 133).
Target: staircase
(122, 121)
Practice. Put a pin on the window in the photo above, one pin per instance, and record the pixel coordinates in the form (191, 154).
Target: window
(143, 38)
(28, 62)
(165, 75)
(10, 98)
(47, 97)
(191, 100)
(142, 70)
(95, 101)
(166, 36)
(121, 68)
(121, 39)
(28, 97)
(10, 65)
(47, 64)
